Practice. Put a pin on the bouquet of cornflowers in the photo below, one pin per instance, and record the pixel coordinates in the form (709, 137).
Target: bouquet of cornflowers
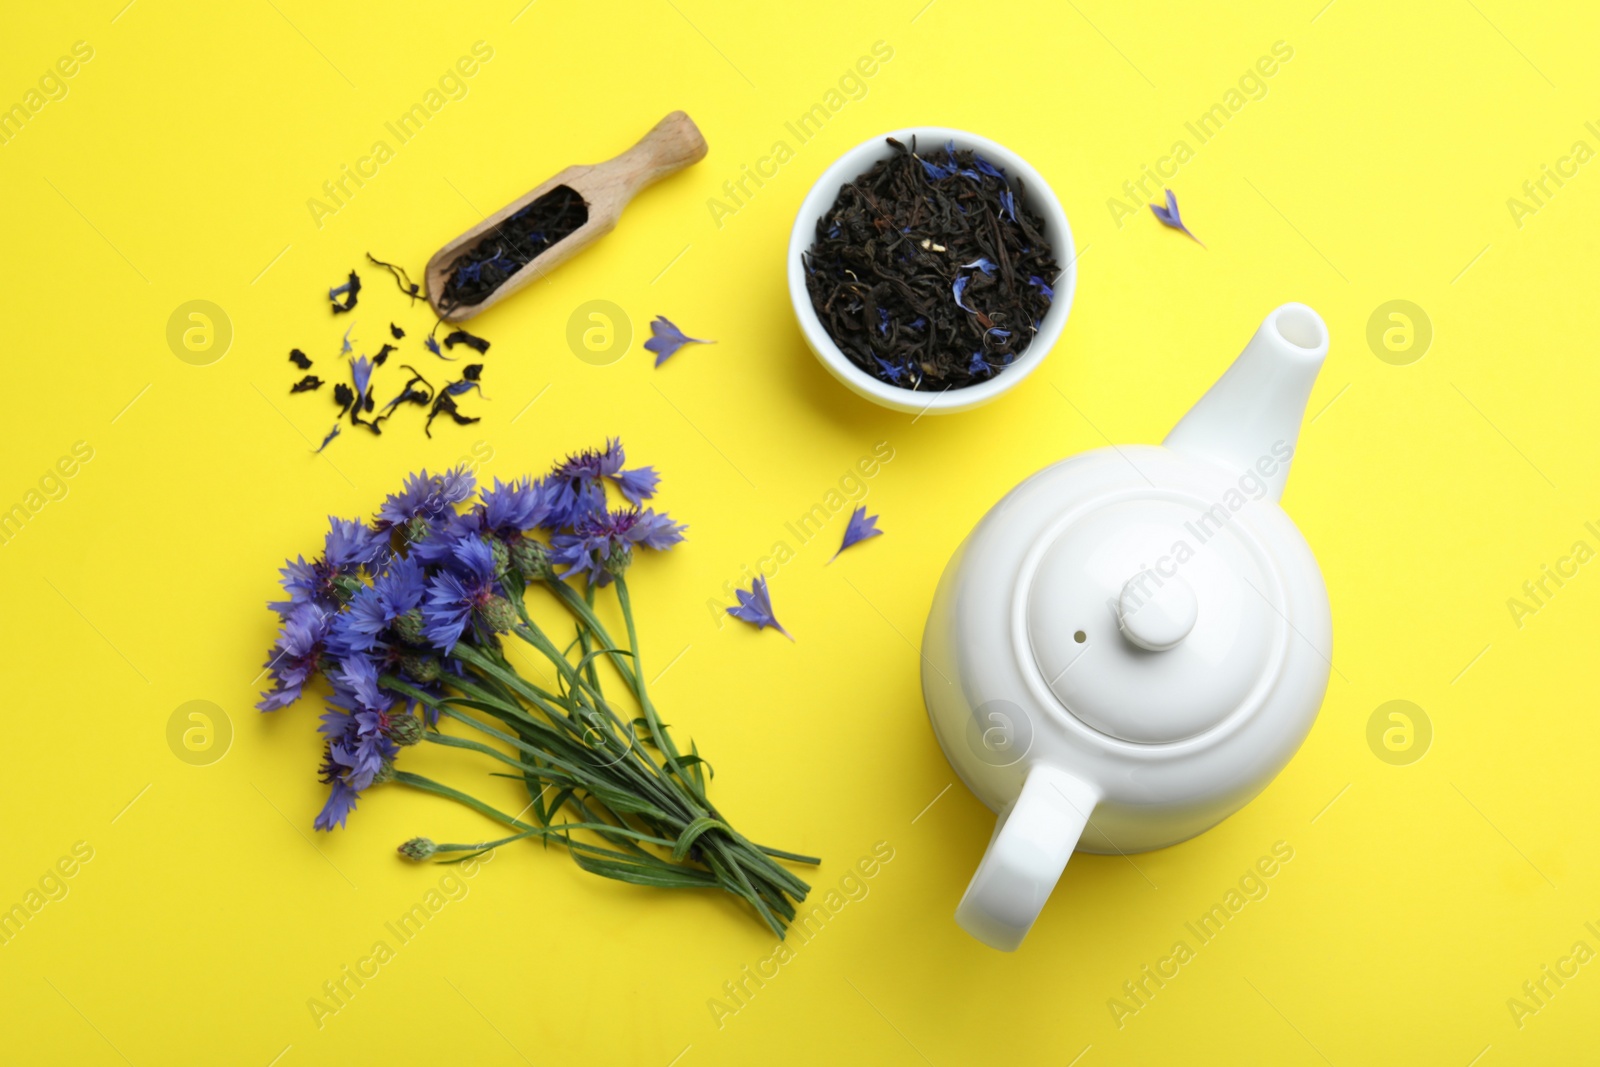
(405, 619)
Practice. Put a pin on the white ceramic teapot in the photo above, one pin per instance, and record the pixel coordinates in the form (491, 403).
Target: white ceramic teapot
(1131, 645)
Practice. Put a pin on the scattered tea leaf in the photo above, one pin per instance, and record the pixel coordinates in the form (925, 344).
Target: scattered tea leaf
(383, 354)
(396, 331)
(349, 290)
(401, 279)
(299, 359)
(445, 404)
(306, 384)
(917, 270)
(462, 337)
(494, 258)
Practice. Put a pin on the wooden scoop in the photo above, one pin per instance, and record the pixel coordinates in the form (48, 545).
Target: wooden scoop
(673, 144)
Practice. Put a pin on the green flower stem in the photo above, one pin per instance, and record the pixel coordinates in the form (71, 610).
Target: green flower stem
(628, 797)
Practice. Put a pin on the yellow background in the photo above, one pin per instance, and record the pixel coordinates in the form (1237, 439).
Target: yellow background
(1376, 167)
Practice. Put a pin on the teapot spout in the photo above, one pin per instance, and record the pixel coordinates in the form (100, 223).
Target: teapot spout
(1250, 419)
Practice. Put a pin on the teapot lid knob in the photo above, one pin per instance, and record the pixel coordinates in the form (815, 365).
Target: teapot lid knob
(1156, 613)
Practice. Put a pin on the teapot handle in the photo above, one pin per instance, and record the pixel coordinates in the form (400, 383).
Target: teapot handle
(1033, 839)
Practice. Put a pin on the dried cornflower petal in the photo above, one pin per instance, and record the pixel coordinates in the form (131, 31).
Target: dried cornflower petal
(666, 339)
(755, 607)
(349, 290)
(860, 527)
(1169, 217)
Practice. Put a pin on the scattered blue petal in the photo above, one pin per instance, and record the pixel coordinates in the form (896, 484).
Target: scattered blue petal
(988, 168)
(433, 346)
(1044, 286)
(638, 485)
(347, 349)
(960, 287)
(666, 339)
(883, 322)
(1008, 201)
(331, 435)
(893, 371)
(755, 607)
(1169, 217)
(860, 527)
(983, 263)
(979, 366)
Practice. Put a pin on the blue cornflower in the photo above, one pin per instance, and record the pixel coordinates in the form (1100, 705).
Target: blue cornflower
(355, 682)
(978, 365)
(349, 546)
(508, 508)
(592, 463)
(357, 748)
(296, 655)
(439, 543)
(755, 607)
(374, 608)
(601, 545)
(426, 496)
(575, 488)
(860, 527)
(454, 594)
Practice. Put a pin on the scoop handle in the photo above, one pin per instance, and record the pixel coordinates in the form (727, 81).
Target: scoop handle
(672, 144)
(1033, 839)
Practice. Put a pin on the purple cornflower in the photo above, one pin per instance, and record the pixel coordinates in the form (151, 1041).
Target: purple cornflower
(425, 496)
(349, 546)
(375, 608)
(508, 508)
(860, 527)
(297, 654)
(357, 748)
(455, 594)
(574, 486)
(601, 545)
(755, 607)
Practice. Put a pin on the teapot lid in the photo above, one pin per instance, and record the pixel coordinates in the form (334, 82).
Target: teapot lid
(1153, 616)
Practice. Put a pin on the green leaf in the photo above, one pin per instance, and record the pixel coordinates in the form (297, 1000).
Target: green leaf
(691, 832)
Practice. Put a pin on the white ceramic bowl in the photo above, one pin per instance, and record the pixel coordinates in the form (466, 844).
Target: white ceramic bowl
(1040, 198)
